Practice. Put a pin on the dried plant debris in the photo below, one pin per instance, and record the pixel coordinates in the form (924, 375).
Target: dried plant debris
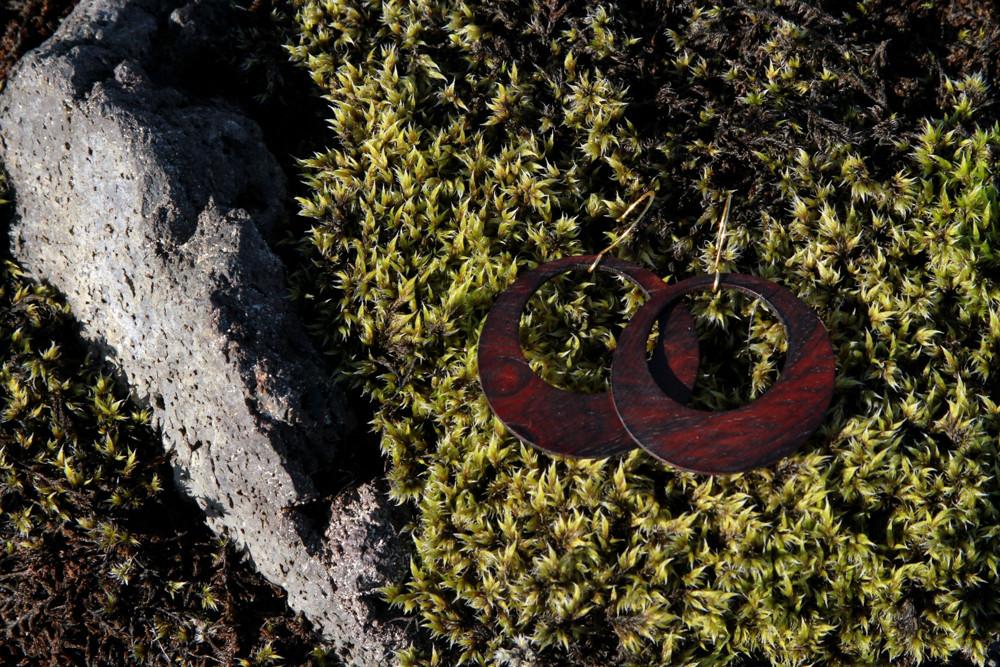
(101, 562)
(24, 24)
(470, 140)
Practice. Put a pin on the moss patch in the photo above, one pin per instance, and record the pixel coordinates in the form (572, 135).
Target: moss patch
(472, 140)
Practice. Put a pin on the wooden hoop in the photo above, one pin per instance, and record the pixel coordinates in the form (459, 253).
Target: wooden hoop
(756, 434)
(560, 421)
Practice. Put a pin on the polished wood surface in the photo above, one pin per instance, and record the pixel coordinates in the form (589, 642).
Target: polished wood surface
(756, 434)
(563, 422)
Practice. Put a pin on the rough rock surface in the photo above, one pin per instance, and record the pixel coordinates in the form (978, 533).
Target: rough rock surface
(152, 206)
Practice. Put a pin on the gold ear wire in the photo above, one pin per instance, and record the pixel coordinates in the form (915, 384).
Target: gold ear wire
(646, 195)
(723, 222)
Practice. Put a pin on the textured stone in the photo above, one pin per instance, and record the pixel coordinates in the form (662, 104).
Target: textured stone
(151, 207)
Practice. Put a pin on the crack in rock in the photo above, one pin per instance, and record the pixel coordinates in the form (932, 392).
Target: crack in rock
(152, 208)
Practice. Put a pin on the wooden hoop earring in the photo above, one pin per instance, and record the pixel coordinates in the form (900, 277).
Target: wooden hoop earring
(756, 434)
(560, 421)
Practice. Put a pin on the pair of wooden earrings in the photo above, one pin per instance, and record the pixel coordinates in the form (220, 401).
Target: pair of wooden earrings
(646, 405)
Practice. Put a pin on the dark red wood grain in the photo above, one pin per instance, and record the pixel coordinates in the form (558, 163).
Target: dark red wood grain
(560, 421)
(755, 434)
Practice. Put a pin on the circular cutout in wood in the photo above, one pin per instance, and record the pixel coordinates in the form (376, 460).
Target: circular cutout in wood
(753, 435)
(564, 422)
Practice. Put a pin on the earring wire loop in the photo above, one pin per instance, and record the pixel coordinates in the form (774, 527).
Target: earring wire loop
(631, 228)
(720, 241)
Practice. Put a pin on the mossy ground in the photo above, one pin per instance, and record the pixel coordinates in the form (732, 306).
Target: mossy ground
(471, 140)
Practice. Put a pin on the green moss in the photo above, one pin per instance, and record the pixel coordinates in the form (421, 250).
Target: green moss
(470, 141)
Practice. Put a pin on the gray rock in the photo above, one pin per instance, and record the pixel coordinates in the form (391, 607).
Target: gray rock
(152, 207)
